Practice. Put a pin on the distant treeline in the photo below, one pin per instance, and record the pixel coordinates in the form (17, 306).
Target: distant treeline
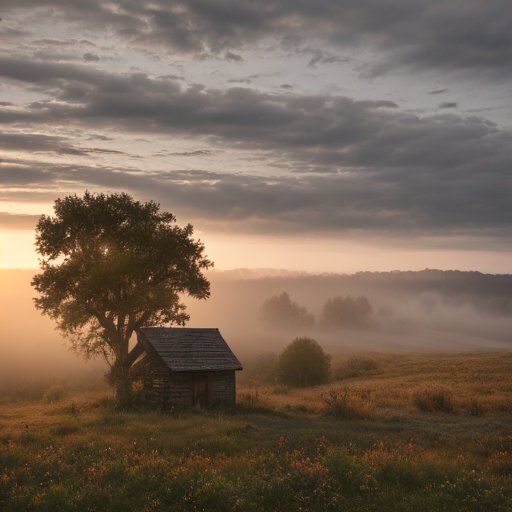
(337, 313)
(489, 293)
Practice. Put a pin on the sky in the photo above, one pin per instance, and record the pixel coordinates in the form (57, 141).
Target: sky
(325, 136)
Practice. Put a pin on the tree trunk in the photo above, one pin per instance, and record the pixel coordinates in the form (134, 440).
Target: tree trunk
(122, 385)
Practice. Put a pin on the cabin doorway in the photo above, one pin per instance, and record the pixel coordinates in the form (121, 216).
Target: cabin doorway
(201, 391)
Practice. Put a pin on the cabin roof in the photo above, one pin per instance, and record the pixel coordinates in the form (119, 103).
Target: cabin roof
(185, 349)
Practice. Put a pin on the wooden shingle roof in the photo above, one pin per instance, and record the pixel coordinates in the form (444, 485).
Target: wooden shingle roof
(185, 349)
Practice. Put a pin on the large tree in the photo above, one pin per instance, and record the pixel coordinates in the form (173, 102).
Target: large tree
(111, 265)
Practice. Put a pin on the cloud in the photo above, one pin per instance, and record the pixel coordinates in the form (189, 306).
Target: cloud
(448, 104)
(384, 202)
(59, 42)
(438, 91)
(314, 133)
(441, 34)
(18, 221)
(197, 152)
(91, 57)
(233, 57)
(320, 57)
(333, 164)
(239, 81)
(30, 142)
(170, 77)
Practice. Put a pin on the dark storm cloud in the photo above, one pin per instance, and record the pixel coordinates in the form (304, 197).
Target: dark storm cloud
(445, 34)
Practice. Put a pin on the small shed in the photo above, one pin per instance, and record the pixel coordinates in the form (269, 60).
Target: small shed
(187, 367)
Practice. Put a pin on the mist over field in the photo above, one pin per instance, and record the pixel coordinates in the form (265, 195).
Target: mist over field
(428, 310)
(31, 348)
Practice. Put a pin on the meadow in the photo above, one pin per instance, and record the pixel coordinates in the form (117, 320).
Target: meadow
(391, 431)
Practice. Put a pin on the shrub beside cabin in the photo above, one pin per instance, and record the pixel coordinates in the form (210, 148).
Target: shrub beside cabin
(186, 367)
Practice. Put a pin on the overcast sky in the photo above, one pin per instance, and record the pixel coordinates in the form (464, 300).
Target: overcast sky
(326, 135)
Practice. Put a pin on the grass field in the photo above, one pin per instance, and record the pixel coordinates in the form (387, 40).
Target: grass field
(398, 431)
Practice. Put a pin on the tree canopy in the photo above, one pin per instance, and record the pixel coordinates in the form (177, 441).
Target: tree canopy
(348, 313)
(303, 363)
(111, 265)
(281, 312)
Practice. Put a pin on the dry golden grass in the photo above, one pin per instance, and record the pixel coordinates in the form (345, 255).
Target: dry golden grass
(478, 383)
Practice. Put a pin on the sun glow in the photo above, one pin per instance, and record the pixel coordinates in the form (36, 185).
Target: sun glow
(17, 249)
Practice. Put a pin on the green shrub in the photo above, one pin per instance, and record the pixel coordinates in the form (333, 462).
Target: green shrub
(303, 363)
(434, 399)
(54, 394)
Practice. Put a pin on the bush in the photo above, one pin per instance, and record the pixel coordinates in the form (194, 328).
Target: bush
(303, 363)
(436, 399)
(343, 403)
(355, 366)
(54, 394)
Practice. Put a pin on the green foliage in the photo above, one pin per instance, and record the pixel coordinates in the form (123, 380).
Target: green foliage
(54, 394)
(303, 363)
(111, 265)
(281, 312)
(347, 313)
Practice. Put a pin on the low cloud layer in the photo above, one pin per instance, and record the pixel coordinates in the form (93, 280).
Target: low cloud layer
(18, 221)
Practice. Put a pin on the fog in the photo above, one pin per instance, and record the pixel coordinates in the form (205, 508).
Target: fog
(31, 349)
(429, 310)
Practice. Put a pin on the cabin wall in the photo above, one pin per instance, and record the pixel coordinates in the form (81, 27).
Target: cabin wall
(169, 389)
(181, 388)
(224, 387)
(178, 389)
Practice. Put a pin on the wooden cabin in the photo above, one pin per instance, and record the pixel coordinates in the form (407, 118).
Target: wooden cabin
(187, 367)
